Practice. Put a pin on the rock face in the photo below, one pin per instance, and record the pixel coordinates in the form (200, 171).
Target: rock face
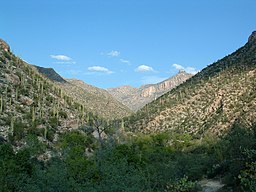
(136, 98)
(4, 45)
(252, 37)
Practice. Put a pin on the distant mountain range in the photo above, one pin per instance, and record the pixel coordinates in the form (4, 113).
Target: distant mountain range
(136, 98)
(115, 102)
(221, 95)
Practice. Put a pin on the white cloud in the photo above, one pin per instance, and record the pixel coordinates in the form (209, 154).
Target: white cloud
(61, 57)
(144, 68)
(152, 79)
(190, 70)
(113, 53)
(99, 69)
(125, 61)
(177, 66)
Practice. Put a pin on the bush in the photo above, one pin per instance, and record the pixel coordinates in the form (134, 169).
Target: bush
(248, 178)
(183, 185)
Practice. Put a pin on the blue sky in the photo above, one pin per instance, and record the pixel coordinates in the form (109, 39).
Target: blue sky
(109, 43)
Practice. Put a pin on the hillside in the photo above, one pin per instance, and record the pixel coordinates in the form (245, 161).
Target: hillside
(136, 98)
(51, 74)
(32, 104)
(94, 99)
(210, 101)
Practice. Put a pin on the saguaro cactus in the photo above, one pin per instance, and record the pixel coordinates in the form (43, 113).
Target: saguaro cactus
(12, 125)
(33, 114)
(1, 104)
(122, 124)
(16, 93)
(45, 133)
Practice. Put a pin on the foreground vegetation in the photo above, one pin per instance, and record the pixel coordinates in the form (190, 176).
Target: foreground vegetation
(159, 162)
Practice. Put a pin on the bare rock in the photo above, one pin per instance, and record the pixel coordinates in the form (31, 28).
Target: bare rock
(4, 45)
(252, 37)
(13, 79)
(26, 100)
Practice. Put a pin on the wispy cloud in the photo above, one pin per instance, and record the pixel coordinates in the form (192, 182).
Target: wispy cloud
(99, 69)
(144, 68)
(152, 79)
(113, 53)
(125, 61)
(61, 57)
(190, 70)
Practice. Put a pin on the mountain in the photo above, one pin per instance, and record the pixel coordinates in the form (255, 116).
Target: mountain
(221, 95)
(51, 74)
(32, 104)
(94, 99)
(136, 98)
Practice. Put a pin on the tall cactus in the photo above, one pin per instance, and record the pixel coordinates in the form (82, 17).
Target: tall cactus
(16, 93)
(122, 124)
(42, 88)
(12, 126)
(33, 114)
(1, 104)
(61, 94)
(6, 90)
(45, 133)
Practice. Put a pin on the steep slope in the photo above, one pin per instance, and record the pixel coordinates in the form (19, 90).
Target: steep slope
(32, 104)
(51, 74)
(136, 98)
(94, 99)
(210, 101)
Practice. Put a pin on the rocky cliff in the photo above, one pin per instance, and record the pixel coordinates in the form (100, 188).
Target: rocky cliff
(136, 98)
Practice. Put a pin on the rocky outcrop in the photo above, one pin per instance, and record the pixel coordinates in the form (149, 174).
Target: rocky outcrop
(136, 98)
(4, 45)
(252, 37)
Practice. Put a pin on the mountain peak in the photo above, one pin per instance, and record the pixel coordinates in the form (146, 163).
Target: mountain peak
(4, 45)
(182, 71)
(51, 74)
(252, 37)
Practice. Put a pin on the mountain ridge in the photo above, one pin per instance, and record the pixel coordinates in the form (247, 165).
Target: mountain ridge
(219, 96)
(136, 98)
